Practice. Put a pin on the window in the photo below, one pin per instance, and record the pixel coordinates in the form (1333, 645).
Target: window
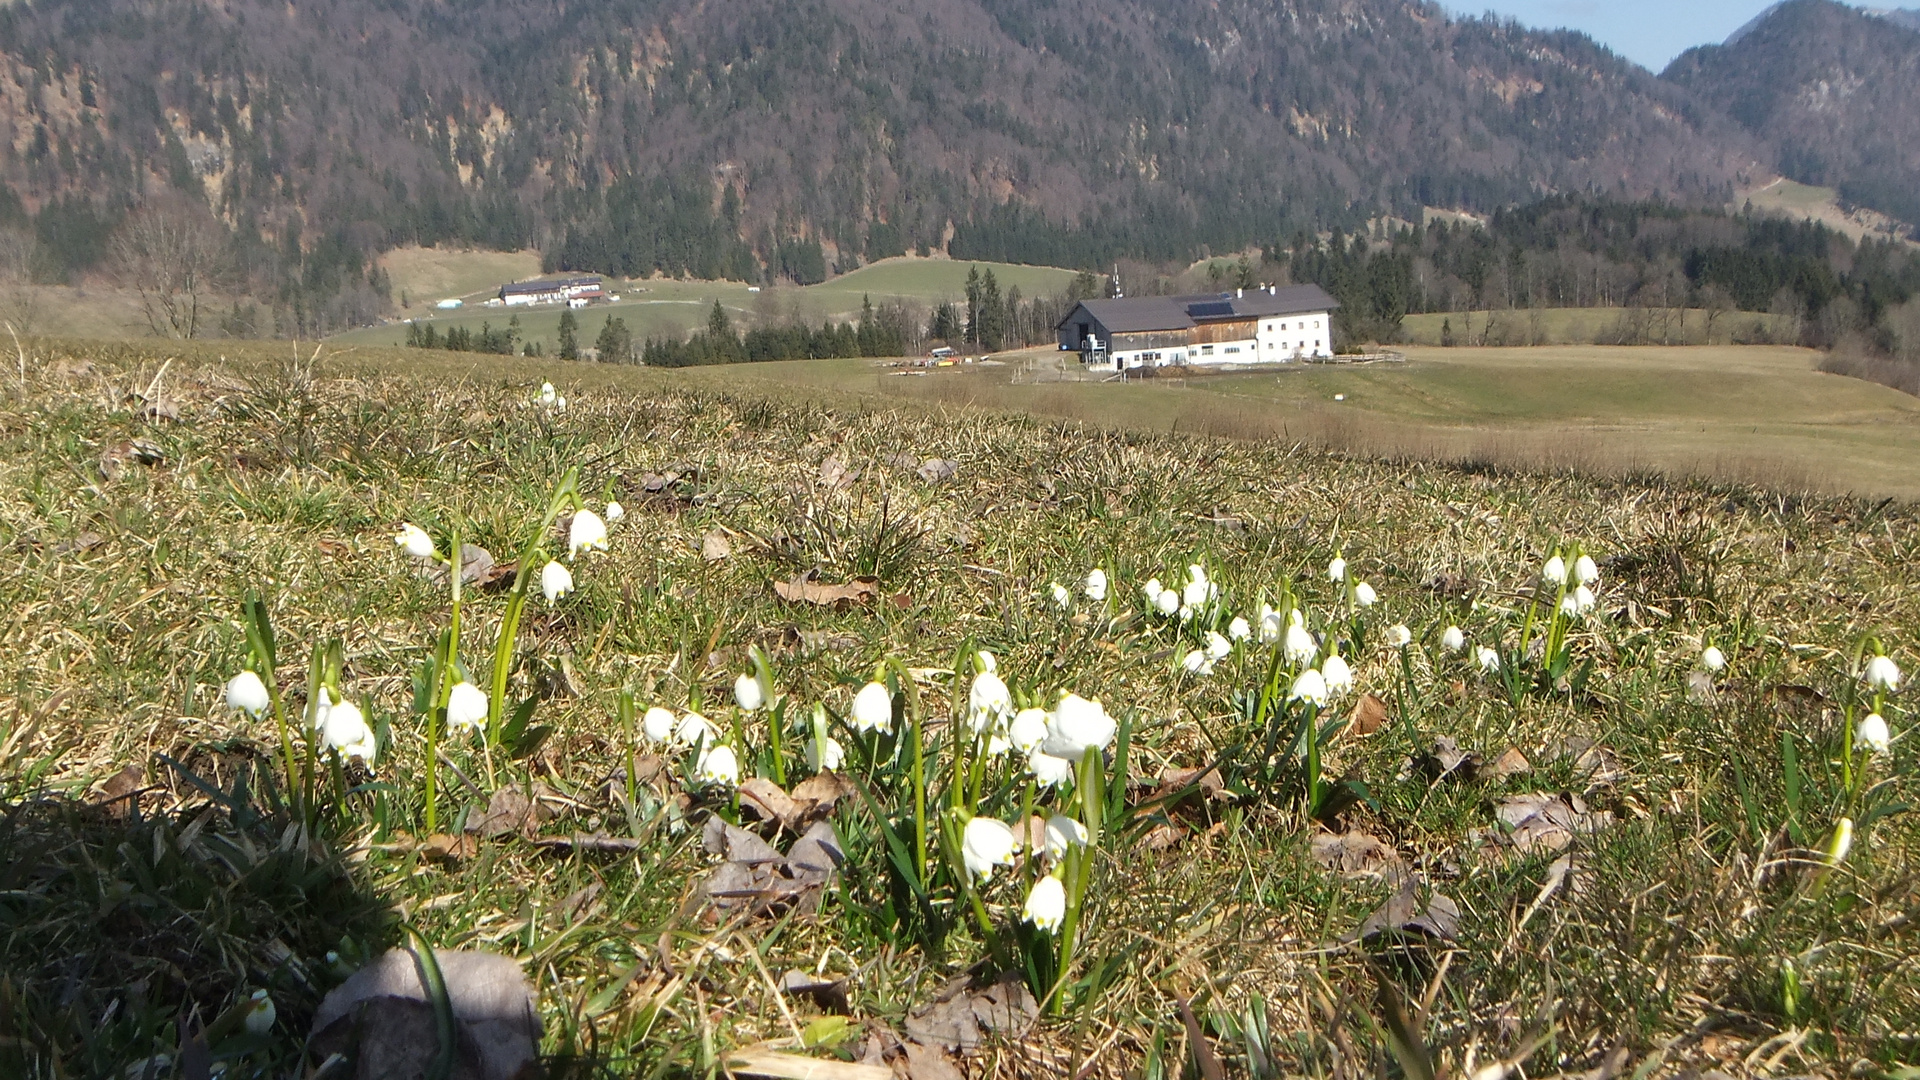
(1233, 348)
(1206, 350)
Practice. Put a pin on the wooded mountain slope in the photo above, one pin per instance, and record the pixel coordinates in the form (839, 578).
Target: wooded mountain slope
(687, 136)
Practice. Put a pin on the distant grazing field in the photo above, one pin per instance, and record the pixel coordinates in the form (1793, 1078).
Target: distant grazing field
(656, 307)
(422, 277)
(1593, 326)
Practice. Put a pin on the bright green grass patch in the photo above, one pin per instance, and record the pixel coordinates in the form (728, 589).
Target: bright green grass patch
(1595, 326)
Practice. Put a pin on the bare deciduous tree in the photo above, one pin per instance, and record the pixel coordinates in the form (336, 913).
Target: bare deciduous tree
(172, 253)
(19, 295)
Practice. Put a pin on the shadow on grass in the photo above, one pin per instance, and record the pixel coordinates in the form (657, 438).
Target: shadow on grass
(126, 921)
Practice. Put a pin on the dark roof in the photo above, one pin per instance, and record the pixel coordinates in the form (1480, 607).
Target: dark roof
(540, 285)
(1137, 314)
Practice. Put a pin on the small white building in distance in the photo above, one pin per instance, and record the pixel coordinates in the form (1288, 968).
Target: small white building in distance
(552, 290)
(1248, 326)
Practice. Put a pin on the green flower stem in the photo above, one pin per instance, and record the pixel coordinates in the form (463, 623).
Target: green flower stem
(447, 665)
(911, 693)
(263, 656)
(565, 495)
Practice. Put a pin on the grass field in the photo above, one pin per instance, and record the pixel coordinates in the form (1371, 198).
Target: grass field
(660, 307)
(1631, 876)
(1788, 198)
(422, 277)
(1591, 326)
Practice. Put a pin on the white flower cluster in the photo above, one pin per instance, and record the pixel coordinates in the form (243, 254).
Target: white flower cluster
(1053, 740)
(716, 766)
(340, 726)
(550, 398)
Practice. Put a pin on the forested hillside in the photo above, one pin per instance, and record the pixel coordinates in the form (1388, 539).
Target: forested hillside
(792, 138)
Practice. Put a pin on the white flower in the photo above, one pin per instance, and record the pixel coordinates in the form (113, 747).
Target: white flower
(1198, 592)
(658, 724)
(1028, 730)
(1310, 686)
(989, 703)
(1196, 572)
(344, 729)
(1882, 673)
(998, 743)
(1061, 597)
(1583, 600)
(1453, 640)
(1152, 590)
(1239, 629)
(748, 694)
(1046, 904)
(827, 761)
(1364, 595)
(1584, 571)
(1399, 636)
(986, 661)
(321, 704)
(414, 541)
(695, 729)
(615, 512)
(717, 766)
(260, 1013)
(1049, 771)
(1555, 572)
(1300, 647)
(1871, 734)
(1064, 832)
(560, 403)
(1166, 601)
(547, 394)
(1488, 660)
(1096, 585)
(1569, 605)
(1713, 659)
(1196, 663)
(466, 707)
(556, 581)
(1337, 569)
(1186, 613)
(873, 709)
(586, 533)
(985, 844)
(1077, 725)
(1296, 617)
(1217, 647)
(1338, 675)
(247, 693)
(1271, 625)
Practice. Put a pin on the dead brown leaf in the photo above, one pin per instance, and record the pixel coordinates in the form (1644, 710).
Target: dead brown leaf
(1593, 761)
(128, 452)
(962, 1018)
(937, 470)
(1404, 912)
(509, 811)
(1544, 822)
(86, 541)
(716, 545)
(1164, 837)
(835, 474)
(821, 792)
(1447, 760)
(122, 791)
(1511, 762)
(442, 847)
(805, 590)
(1369, 715)
(1357, 854)
(768, 801)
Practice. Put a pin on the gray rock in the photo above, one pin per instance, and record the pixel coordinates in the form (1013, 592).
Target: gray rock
(383, 1021)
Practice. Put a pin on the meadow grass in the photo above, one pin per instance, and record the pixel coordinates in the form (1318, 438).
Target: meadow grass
(422, 277)
(1696, 927)
(1593, 326)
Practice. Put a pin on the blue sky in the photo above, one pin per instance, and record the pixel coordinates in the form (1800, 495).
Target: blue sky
(1648, 32)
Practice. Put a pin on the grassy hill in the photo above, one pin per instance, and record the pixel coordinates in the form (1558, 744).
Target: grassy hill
(1634, 867)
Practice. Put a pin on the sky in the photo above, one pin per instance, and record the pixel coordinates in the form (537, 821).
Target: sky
(1649, 32)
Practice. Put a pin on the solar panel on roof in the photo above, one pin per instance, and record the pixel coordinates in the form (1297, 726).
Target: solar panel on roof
(1210, 309)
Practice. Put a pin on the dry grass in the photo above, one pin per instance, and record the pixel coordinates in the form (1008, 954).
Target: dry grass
(1665, 945)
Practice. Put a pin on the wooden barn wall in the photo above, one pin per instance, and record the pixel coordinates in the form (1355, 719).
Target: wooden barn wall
(1228, 330)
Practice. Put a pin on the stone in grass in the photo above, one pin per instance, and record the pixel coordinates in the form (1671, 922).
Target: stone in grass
(382, 1021)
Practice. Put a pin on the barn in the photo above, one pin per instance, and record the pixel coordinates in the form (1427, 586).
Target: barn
(1272, 325)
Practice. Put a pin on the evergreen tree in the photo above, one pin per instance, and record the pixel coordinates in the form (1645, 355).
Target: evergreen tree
(615, 343)
(973, 305)
(569, 336)
(991, 329)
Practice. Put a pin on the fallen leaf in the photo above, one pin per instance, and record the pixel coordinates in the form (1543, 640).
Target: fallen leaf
(509, 810)
(936, 470)
(1357, 854)
(1208, 782)
(162, 407)
(817, 855)
(769, 801)
(1700, 687)
(835, 474)
(821, 792)
(961, 1018)
(928, 1063)
(478, 569)
(122, 790)
(1369, 715)
(813, 641)
(1438, 917)
(1456, 586)
(1446, 759)
(786, 1066)
(337, 549)
(441, 847)
(86, 541)
(382, 1018)
(805, 590)
(716, 545)
(737, 845)
(1591, 760)
(1511, 762)
(1164, 837)
(113, 463)
(1544, 822)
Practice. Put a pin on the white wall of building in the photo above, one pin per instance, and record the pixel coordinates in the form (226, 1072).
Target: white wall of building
(1287, 337)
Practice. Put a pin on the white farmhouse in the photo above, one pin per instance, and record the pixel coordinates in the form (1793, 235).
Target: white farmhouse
(581, 287)
(1260, 326)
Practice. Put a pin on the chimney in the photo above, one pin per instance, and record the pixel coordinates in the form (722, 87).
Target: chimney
(1239, 294)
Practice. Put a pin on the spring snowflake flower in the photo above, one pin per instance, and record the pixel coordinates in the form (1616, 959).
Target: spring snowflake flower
(586, 533)
(1712, 659)
(1196, 663)
(414, 540)
(1239, 629)
(1064, 833)
(1882, 673)
(615, 512)
(985, 844)
(1198, 592)
(718, 767)
(1272, 627)
(1488, 660)
(466, 708)
(1583, 599)
(1364, 595)
(548, 395)
(1555, 571)
(1300, 647)
(1047, 770)
(1152, 590)
(1027, 730)
(1095, 587)
(1841, 843)
(1062, 598)
(1309, 686)
(556, 581)
(1871, 734)
(1046, 906)
(695, 730)
(1218, 647)
(829, 760)
(987, 661)
(1167, 602)
(748, 694)
(1584, 570)
(1453, 640)
(1077, 725)
(260, 1013)
(248, 694)
(1337, 569)
(989, 703)
(1570, 605)
(344, 728)
(873, 709)
(1399, 636)
(658, 724)
(1337, 674)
